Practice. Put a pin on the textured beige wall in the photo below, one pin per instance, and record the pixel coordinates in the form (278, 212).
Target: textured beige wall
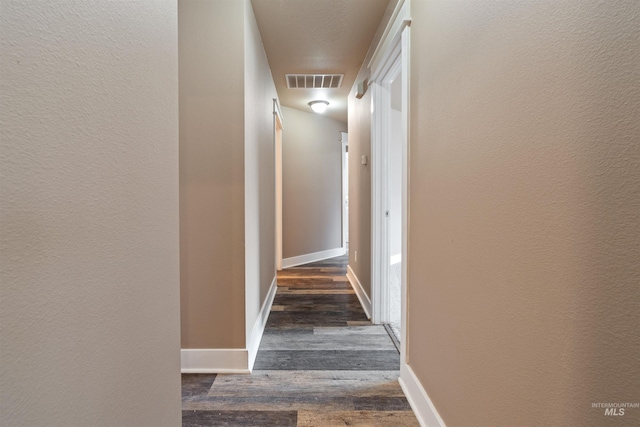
(89, 214)
(312, 183)
(360, 185)
(212, 226)
(260, 195)
(524, 244)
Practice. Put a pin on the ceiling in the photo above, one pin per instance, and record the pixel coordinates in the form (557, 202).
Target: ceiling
(317, 37)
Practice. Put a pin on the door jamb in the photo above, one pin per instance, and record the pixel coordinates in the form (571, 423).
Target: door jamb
(392, 51)
(344, 139)
(278, 128)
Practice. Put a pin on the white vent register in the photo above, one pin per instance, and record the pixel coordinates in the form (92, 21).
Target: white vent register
(314, 81)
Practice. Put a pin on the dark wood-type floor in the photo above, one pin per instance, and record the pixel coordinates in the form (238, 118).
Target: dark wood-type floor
(321, 363)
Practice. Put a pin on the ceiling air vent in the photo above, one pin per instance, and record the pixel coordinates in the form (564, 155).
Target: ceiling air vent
(314, 81)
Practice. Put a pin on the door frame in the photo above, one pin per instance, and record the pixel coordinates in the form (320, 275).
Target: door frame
(381, 150)
(278, 128)
(390, 58)
(344, 139)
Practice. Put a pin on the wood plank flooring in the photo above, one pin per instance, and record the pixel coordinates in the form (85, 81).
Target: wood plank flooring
(321, 363)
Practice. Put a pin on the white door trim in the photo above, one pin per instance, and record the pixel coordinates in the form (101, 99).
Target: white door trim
(278, 127)
(381, 133)
(344, 139)
(405, 183)
(390, 58)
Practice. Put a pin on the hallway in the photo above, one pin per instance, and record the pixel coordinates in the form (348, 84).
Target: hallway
(320, 363)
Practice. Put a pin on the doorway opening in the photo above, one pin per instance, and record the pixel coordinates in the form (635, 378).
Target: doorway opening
(388, 172)
(394, 203)
(344, 139)
(390, 105)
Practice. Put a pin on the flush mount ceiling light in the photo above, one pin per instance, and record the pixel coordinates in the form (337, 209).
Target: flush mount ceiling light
(319, 106)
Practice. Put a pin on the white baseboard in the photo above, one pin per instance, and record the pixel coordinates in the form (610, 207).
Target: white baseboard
(365, 301)
(316, 256)
(214, 361)
(418, 398)
(261, 322)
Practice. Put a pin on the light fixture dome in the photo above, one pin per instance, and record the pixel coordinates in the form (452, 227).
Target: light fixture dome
(319, 106)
